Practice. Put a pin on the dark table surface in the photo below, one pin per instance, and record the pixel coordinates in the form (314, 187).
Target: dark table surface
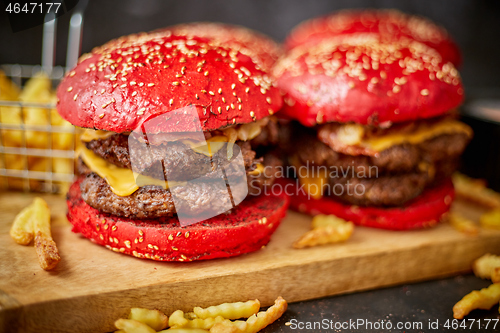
(426, 303)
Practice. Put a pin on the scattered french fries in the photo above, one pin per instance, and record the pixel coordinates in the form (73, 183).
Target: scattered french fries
(133, 326)
(229, 310)
(216, 319)
(463, 224)
(475, 190)
(22, 228)
(153, 318)
(490, 219)
(37, 90)
(34, 222)
(478, 299)
(177, 320)
(487, 267)
(326, 229)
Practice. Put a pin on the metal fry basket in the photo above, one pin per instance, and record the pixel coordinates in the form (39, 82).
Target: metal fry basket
(37, 147)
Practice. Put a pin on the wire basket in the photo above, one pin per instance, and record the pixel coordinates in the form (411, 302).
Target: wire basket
(37, 147)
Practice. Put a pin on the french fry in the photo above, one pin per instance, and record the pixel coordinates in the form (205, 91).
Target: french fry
(46, 248)
(463, 224)
(478, 299)
(22, 228)
(133, 326)
(184, 330)
(262, 319)
(228, 326)
(229, 310)
(475, 190)
(487, 267)
(178, 320)
(490, 219)
(327, 229)
(155, 319)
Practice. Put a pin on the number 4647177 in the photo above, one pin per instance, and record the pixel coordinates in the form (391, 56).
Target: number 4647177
(32, 7)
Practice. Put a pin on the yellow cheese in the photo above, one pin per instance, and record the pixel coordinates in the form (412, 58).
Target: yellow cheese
(422, 133)
(212, 145)
(314, 184)
(258, 170)
(121, 180)
(89, 135)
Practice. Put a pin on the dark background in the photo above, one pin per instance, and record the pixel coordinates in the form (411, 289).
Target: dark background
(474, 24)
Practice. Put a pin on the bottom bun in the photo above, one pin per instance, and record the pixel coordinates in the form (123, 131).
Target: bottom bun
(247, 228)
(424, 211)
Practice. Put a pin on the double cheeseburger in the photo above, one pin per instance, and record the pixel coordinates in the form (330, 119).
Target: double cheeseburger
(135, 92)
(374, 136)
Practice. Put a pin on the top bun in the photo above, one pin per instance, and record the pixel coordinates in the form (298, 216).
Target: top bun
(134, 78)
(360, 78)
(390, 24)
(262, 49)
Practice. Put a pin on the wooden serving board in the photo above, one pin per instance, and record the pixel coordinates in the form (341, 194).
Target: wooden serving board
(93, 286)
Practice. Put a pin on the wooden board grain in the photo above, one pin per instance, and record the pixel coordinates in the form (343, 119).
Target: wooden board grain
(93, 286)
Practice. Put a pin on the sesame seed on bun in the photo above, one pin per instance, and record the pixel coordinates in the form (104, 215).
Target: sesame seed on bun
(390, 24)
(363, 79)
(133, 78)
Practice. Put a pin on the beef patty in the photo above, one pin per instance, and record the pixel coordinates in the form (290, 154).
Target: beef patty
(393, 177)
(387, 190)
(154, 201)
(394, 160)
(176, 160)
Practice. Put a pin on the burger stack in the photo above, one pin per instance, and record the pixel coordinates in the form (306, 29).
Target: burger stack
(372, 100)
(164, 109)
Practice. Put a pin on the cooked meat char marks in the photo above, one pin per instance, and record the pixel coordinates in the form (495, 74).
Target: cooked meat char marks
(389, 190)
(394, 160)
(174, 161)
(395, 176)
(154, 201)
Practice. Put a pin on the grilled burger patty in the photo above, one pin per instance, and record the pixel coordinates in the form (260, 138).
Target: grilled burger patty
(393, 177)
(178, 161)
(397, 159)
(154, 201)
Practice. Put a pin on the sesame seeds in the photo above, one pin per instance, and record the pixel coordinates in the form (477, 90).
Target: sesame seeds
(424, 92)
(141, 111)
(151, 84)
(211, 93)
(75, 97)
(134, 93)
(70, 89)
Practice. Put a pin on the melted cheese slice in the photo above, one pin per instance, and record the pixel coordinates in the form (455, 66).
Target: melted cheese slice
(422, 133)
(259, 168)
(122, 181)
(208, 148)
(89, 135)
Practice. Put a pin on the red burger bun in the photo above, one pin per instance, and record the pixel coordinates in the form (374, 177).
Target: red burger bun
(359, 78)
(129, 80)
(391, 24)
(263, 49)
(246, 229)
(424, 211)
